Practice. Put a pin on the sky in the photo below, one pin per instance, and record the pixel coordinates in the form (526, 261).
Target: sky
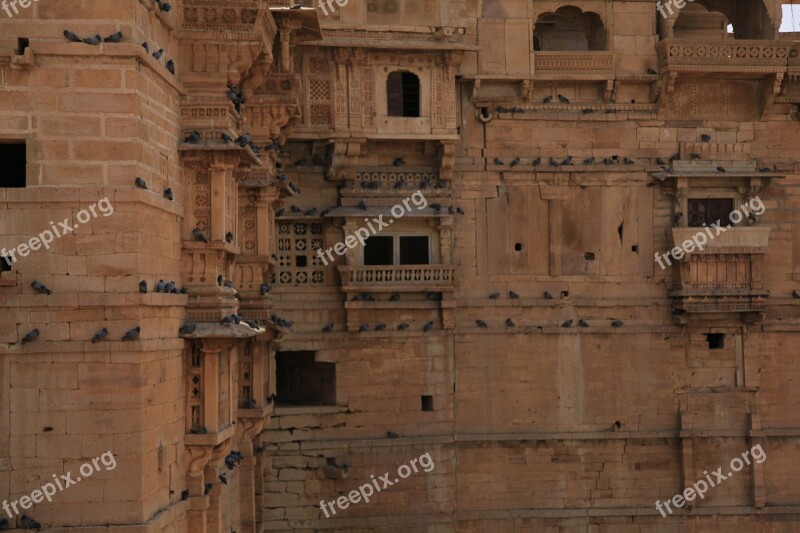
(791, 17)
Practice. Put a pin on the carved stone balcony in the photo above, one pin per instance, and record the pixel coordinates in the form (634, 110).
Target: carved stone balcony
(725, 277)
(747, 58)
(573, 65)
(404, 278)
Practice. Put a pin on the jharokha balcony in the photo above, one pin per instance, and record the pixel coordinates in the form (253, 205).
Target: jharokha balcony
(725, 277)
(753, 58)
(558, 65)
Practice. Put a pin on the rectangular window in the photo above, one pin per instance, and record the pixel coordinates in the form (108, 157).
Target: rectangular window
(709, 211)
(301, 380)
(379, 251)
(397, 250)
(13, 164)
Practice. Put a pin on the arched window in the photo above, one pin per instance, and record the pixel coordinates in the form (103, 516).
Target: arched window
(403, 94)
(569, 29)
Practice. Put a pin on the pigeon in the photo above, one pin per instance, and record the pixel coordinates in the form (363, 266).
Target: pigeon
(513, 295)
(583, 324)
(146, 46)
(158, 53)
(392, 434)
(617, 323)
(536, 161)
(651, 71)
(160, 286)
(395, 297)
(132, 335)
(610, 111)
(140, 183)
(168, 194)
(563, 99)
(510, 323)
(547, 295)
(185, 495)
(608, 161)
(311, 212)
(228, 284)
(265, 288)
(4, 524)
(628, 161)
(694, 156)
(380, 327)
(567, 324)
(795, 294)
(428, 326)
(170, 288)
(223, 478)
(547, 99)
(171, 66)
(720, 169)
(705, 138)
(114, 37)
(187, 329)
(208, 488)
(230, 462)
(459, 211)
(588, 161)
(194, 137)
(481, 323)
(517, 109)
(502, 109)
(94, 41)
(328, 328)
(553, 162)
(674, 157)
(514, 162)
(498, 161)
(30, 336)
(280, 212)
(100, 335)
(399, 184)
(402, 327)
(229, 237)
(164, 6)
(752, 217)
(363, 327)
(296, 209)
(243, 140)
(227, 321)
(38, 287)
(587, 111)
(72, 37)
(494, 296)
(567, 161)
(29, 523)
(227, 139)
(197, 233)
(399, 162)
(143, 287)
(677, 219)
(660, 161)
(362, 205)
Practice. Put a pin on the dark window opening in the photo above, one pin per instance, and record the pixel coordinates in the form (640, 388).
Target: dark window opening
(22, 44)
(716, 341)
(5, 263)
(588, 256)
(518, 247)
(403, 94)
(709, 211)
(427, 403)
(635, 248)
(303, 381)
(414, 251)
(12, 165)
(379, 251)
(301, 261)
